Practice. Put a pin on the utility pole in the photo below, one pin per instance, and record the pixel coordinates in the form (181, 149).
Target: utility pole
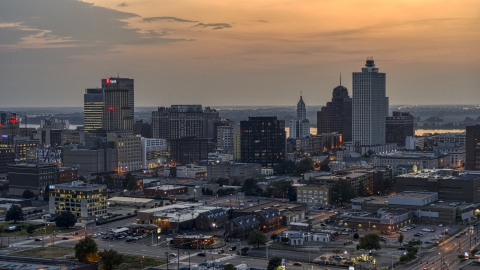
(178, 258)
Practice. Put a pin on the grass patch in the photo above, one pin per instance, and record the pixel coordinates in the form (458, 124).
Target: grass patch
(135, 262)
(50, 252)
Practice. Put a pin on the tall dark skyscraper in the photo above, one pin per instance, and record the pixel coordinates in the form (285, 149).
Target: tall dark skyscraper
(337, 115)
(472, 146)
(398, 127)
(263, 141)
(93, 105)
(118, 109)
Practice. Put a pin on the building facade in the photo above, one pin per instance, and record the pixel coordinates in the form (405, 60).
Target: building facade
(153, 152)
(31, 176)
(370, 106)
(313, 194)
(83, 200)
(240, 171)
(473, 148)
(336, 116)
(263, 141)
(129, 152)
(118, 113)
(7, 157)
(93, 106)
(300, 126)
(398, 127)
(188, 150)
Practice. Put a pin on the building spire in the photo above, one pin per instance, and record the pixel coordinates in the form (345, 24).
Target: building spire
(340, 78)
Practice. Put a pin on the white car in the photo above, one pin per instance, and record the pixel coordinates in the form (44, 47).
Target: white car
(441, 224)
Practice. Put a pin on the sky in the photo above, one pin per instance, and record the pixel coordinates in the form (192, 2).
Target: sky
(237, 52)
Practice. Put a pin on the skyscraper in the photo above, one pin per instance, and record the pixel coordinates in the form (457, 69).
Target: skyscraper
(117, 114)
(93, 104)
(122, 83)
(262, 141)
(472, 145)
(369, 106)
(337, 115)
(300, 126)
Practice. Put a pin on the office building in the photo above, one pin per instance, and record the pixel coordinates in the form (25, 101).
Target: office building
(225, 138)
(187, 150)
(93, 106)
(300, 126)
(337, 115)
(422, 160)
(370, 107)
(233, 171)
(398, 127)
(180, 121)
(95, 160)
(318, 195)
(451, 185)
(142, 129)
(129, 152)
(153, 153)
(473, 148)
(85, 201)
(7, 156)
(119, 107)
(31, 176)
(263, 141)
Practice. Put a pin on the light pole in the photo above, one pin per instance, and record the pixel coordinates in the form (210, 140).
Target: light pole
(194, 193)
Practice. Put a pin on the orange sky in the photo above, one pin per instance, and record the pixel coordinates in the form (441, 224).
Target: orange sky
(266, 52)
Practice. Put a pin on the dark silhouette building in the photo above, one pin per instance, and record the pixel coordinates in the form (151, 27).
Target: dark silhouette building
(472, 145)
(142, 129)
(262, 141)
(7, 156)
(31, 176)
(337, 115)
(398, 127)
(188, 150)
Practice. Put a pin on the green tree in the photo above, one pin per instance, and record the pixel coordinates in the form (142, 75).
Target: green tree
(130, 183)
(324, 165)
(273, 263)
(81, 178)
(356, 236)
(66, 219)
(250, 186)
(28, 194)
(370, 241)
(110, 259)
(273, 237)
(305, 165)
(31, 228)
(86, 250)
(15, 213)
(400, 239)
(46, 193)
(229, 266)
(257, 237)
(285, 167)
(342, 191)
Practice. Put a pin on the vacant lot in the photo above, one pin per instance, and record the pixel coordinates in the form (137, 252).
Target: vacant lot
(48, 252)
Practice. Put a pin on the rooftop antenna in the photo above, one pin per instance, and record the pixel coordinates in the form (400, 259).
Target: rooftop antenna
(340, 78)
(169, 104)
(118, 74)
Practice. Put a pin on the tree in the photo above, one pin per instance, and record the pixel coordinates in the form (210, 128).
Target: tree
(46, 193)
(342, 191)
(81, 178)
(15, 213)
(250, 187)
(361, 190)
(86, 250)
(110, 259)
(400, 239)
(356, 236)
(324, 165)
(285, 167)
(28, 194)
(130, 183)
(31, 228)
(274, 263)
(229, 266)
(273, 237)
(370, 241)
(305, 165)
(66, 219)
(257, 237)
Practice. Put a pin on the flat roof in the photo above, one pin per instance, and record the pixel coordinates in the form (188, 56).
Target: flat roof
(413, 194)
(282, 206)
(78, 185)
(166, 187)
(129, 200)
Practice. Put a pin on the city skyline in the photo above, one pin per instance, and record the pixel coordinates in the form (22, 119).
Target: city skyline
(236, 53)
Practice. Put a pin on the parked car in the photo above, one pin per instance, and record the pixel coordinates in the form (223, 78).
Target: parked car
(337, 257)
(65, 238)
(232, 248)
(297, 263)
(75, 233)
(173, 255)
(38, 239)
(201, 254)
(29, 238)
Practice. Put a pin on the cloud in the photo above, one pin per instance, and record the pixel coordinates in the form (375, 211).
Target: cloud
(165, 19)
(262, 21)
(215, 26)
(27, 24)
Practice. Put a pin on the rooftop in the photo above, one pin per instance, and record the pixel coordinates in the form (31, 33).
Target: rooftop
(413, 194)
(166, 187)
(79, 185)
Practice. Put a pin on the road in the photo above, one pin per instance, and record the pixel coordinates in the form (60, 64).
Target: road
(447, 251)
